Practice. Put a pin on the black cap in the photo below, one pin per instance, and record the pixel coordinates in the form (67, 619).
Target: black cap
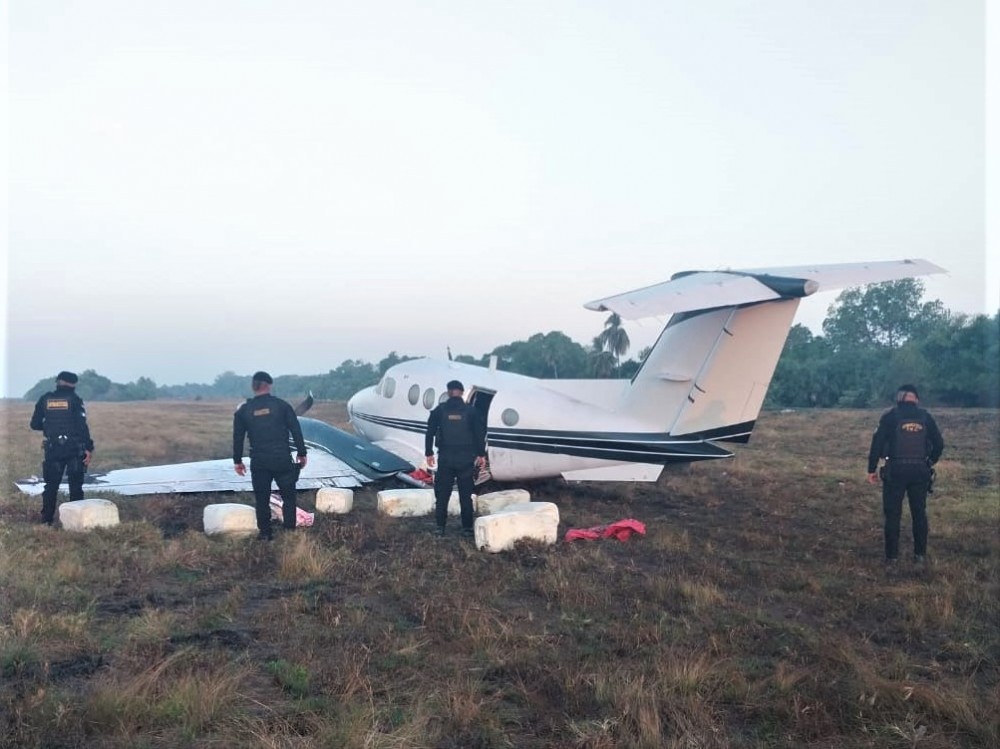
(903, 389)
(455, 385)
(69, 377)
(262, 377)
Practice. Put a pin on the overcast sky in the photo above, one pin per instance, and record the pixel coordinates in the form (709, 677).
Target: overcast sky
(197, 187)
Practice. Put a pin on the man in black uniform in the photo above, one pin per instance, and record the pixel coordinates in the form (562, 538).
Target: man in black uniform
(272, 426)
(909, 440)
(461, 441)
(62, 418)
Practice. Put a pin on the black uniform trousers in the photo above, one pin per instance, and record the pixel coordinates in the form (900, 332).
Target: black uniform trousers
(56, 463)
(912, 482)
(262, 473)
(452, 468)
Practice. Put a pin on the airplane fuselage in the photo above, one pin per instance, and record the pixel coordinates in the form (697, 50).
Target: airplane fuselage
(535, 428)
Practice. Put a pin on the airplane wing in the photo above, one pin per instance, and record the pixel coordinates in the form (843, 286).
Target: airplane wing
(696, 290)
(204, 476)
(356, 452)
(336, 458)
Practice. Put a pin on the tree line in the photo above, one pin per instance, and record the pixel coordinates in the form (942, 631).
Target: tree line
(874, 338)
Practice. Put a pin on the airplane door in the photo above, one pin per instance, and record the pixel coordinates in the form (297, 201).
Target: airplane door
(481, 400)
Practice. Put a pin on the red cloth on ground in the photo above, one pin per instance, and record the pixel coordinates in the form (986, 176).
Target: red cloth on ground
(621, 529)
(303, 519)
(421, 475)
(585, 534)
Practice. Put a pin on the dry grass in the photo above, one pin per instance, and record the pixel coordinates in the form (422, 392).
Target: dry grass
(755, 613)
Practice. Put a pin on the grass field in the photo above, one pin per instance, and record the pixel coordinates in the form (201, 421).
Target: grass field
(754, 613)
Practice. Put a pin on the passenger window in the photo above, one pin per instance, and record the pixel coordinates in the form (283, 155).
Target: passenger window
(444, 397)
(510, 417)
(390, 387)
(429, 398)
(414, 395)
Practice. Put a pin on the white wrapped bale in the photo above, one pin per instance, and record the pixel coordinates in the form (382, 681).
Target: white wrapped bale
(538, 521)
(549, 509)
(335, 500)
(493, 502)
(401, 503)
(230, 519)
(85, 514)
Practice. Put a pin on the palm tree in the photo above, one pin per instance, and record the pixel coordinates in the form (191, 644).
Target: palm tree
(613, 338)
(602, 363)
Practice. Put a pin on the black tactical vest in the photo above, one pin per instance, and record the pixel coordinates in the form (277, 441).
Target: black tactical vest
(60, 417)
(456, 431)
(264, 417)
(910, 440)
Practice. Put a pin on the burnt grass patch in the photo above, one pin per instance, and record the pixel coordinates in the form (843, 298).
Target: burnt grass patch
(755, 612)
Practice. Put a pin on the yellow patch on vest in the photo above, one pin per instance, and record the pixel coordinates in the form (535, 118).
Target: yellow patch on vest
(912, 427)
(262, 412)
(57, 405)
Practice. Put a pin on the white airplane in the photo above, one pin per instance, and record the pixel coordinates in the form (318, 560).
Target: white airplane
(702, 383)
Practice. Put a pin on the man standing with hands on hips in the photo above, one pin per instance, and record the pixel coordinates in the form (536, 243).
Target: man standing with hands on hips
(460, 434)
(271, 424)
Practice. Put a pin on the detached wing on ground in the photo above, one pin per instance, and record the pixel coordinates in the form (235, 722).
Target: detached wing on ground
(336, 458)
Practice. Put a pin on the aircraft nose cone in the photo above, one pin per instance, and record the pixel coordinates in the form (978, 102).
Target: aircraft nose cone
(356, 403)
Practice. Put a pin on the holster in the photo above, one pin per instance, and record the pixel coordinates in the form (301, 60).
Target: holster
(62, 448)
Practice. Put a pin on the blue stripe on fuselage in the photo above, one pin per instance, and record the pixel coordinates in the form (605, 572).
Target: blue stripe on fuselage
(639, 447)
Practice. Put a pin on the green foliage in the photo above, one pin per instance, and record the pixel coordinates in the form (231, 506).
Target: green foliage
(602, 363)
(293, 677)
(803, 377)
(391, 361)
(613, 339)
(880, 315)
(881, 336)
(92, 386)
(143, 389)
(553, 355)
(962, 360)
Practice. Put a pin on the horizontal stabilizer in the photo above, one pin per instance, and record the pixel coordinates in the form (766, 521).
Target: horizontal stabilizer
(697, 290)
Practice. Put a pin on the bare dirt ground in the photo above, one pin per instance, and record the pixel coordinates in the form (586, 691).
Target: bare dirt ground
(754, 613)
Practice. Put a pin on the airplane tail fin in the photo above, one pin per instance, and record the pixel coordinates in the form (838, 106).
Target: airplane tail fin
(707, 374)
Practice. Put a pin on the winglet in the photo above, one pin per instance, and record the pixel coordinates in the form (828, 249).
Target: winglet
(304, 405)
